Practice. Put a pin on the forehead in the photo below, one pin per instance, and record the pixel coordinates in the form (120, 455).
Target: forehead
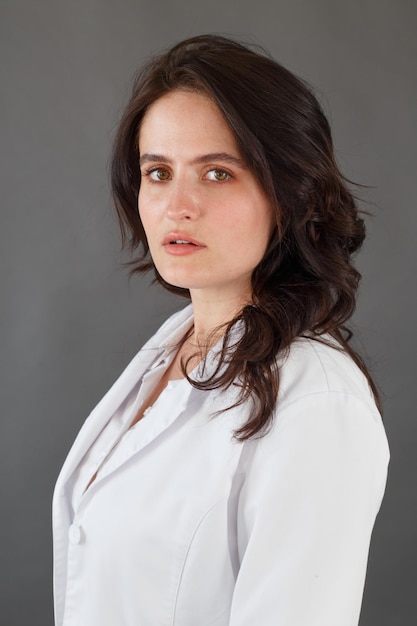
(184, 118)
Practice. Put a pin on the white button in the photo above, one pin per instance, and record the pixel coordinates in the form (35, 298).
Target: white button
(74, 534)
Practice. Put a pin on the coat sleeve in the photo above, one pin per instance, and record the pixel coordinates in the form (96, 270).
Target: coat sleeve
(312, 490)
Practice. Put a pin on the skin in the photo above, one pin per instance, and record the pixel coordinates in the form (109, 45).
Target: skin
(196, 184)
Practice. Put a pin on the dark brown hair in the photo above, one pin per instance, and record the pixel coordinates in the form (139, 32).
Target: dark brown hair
(306, 282)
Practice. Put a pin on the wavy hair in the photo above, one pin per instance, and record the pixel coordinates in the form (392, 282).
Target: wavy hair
(305, 283)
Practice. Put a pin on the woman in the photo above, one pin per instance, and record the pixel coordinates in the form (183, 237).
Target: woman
(233, 473)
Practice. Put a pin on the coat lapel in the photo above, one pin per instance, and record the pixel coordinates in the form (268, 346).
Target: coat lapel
(151, 354)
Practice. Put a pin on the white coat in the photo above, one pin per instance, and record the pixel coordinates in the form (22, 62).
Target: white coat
(196, 529)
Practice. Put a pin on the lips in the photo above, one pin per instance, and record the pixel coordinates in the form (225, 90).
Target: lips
(181, 239)
(179, 244)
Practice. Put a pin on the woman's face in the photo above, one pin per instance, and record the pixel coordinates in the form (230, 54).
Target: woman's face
(206, 218)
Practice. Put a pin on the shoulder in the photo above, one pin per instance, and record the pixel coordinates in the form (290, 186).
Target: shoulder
(325, 400)
(313, 367)
(325, 417)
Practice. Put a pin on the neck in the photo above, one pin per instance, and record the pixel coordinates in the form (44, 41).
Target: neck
(210, 314)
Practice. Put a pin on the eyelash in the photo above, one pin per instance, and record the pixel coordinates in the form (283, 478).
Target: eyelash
(152, 170)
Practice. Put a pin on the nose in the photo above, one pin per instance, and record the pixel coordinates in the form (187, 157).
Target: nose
(182, 202)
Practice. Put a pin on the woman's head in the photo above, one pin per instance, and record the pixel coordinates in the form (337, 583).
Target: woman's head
(206, 217)
(284, 138)
(305, 281)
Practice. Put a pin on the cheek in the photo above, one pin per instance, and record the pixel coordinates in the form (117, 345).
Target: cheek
(265, 220)
(150, 209)
(258, 222)
(149, 230)
(145, 214)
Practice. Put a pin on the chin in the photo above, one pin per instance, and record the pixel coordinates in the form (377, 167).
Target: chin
(183, 281)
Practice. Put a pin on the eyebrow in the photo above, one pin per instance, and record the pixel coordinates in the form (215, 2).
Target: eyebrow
(200, 160)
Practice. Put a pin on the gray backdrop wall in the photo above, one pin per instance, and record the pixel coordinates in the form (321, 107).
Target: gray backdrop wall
(70, 320)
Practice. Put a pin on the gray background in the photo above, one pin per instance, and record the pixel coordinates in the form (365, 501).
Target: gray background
(70, 320)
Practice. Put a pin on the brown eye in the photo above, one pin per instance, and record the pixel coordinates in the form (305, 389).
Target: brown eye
(221, 175)
(218, 175)
(159, 174)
